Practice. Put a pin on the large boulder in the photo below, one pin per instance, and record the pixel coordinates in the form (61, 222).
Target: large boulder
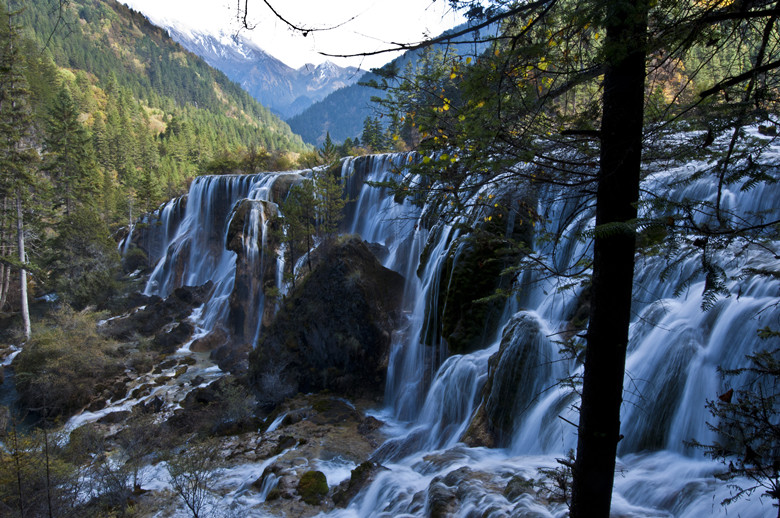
(475, 269)
(517, 374)
(334, 331)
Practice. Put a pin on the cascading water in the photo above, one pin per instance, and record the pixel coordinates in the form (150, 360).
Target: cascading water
(195, 248)
(672, 369)
(675, 349)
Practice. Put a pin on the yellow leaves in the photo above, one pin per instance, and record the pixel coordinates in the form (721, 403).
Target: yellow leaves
(426, 159)
(395, 137)
(468, 61)
(480, 104)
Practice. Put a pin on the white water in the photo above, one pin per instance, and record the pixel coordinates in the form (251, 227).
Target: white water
(675, 351)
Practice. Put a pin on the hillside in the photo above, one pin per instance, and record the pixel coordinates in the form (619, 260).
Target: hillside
(114, 58)
(283, 89)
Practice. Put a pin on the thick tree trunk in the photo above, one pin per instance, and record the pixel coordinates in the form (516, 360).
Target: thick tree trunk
(613, 261)
(22, 271)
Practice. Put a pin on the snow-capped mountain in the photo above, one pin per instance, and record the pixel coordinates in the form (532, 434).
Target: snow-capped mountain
(281, 88)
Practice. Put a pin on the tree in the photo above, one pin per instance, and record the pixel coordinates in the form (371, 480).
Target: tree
(748, 434)
(329, 152)
(299, 214)
(617, 196)
(17, 153)
(330, 202)
(69, 156)
(193, 472)
(84, 262)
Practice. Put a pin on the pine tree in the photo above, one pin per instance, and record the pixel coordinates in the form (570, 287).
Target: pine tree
(17, 153)
(298, 210)
(329, 152)
(69, 158)
(330, 203)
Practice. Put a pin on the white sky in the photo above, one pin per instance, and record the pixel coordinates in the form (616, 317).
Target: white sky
(375, 23)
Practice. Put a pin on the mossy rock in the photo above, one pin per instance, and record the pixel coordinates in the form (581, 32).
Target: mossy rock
(312, 487)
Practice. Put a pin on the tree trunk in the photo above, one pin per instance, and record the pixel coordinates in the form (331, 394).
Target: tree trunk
(613, 261)
(5, 250)
(22, 271)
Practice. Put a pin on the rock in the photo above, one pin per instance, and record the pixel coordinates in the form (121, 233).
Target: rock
(518, 486)
(114, 417)
(516, 375)
(217, 338)
(312, 487)
(359, 478)
(159, 314)
(167, 343)
(255, 278)
(334, 330)
(473, 271)
(441, 501)
(153, 406)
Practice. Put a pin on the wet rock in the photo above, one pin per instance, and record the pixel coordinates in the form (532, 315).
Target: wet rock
(334, 330)
(360, 477)
(158, 314)
(441, 501)
(168, 342)
(473, 272)
(312, 487)
(211, 341)
(153, 406)
(516, 375)
(255, 279)
(518, 486)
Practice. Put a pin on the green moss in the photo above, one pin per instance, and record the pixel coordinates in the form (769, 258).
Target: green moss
(312, 487)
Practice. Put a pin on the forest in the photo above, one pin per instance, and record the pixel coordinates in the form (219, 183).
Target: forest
(554, 294)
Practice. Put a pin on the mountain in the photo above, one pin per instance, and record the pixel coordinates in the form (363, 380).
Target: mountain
(342, 112)
(158, 114)
(283, 89)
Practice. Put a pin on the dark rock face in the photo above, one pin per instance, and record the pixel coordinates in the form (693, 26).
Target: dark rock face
(255, 266)
(163, 319)
(473, 271)
(150, 231)
(334, 330)
(516, 375)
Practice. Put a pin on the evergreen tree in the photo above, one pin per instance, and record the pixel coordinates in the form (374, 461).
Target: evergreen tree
(329, 152)
(17, 153)
(330, 202)
(69, 156)
(299, 211)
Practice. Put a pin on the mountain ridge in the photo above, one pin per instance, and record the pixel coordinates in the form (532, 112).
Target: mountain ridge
(285, 90)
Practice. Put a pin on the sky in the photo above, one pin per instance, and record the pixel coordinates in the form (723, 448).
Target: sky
(363, 25)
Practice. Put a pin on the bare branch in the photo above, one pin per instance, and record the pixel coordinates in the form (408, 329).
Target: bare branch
(448, 38)
(303, 30)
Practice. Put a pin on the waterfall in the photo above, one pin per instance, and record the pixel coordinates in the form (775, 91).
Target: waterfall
(195, 248)
(432, 396)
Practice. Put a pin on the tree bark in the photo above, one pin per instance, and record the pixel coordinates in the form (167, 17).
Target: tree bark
(613, 261)
(22, 271)
(5, 249)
